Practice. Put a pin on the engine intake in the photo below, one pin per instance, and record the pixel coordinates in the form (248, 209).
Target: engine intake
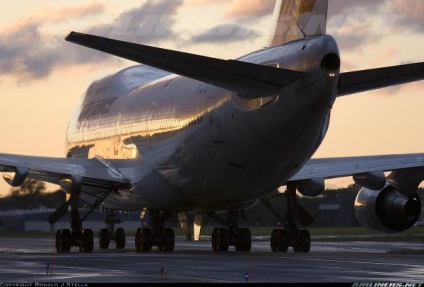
(387, 210)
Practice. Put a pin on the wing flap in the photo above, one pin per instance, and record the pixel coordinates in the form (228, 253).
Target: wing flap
(341, 167)
(249, 80)
(366, 80)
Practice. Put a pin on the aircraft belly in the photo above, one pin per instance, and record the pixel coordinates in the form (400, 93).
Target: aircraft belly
(256, 164)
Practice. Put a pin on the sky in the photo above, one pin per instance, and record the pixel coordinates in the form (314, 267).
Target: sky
(42, 76)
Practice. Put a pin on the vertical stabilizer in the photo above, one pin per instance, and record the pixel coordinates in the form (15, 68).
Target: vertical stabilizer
(297, 19)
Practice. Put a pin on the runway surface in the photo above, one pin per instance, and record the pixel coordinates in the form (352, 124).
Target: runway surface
(23, 260)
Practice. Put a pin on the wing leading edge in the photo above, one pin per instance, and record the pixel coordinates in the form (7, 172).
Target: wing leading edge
(249, 81)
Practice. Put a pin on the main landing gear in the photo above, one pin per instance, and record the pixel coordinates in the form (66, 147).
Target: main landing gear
(156, 234)
(77, 236)
(290, 236)
(109, 234)
(82, 238)
(232, 235)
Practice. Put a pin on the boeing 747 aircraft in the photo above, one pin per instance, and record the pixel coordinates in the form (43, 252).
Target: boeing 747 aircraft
(186, 133)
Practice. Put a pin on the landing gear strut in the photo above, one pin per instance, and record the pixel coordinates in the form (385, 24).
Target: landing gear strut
(109, 234)
(290, 236)
(223, 238)
(156, 234)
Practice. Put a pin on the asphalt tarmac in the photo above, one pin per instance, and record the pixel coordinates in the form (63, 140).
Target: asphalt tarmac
(24, 260)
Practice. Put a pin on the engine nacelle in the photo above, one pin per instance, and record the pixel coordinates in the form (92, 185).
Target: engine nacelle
(16, 177)
(311, 187)
(371, 180)
(387, 210)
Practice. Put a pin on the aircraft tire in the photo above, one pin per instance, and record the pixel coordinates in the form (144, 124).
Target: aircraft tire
(167, 240)
(120, 239)
(244, 239)
(104, 238)
(63, 240)
(87, 243)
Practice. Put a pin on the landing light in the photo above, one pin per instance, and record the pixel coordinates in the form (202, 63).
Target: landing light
(332, 75)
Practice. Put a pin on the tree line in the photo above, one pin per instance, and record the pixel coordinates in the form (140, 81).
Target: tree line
(32, 195)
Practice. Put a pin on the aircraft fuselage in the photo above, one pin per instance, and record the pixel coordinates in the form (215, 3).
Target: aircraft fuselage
(202, 147)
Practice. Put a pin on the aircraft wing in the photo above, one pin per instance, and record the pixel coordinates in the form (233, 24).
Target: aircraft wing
(341, 167)
(93, 172)
(249, 81)
(361, 81)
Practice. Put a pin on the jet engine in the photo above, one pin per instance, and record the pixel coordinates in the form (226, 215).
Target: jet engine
(311, 187)
(387, 210)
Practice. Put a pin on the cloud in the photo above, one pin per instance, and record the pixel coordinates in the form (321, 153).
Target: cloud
(348, 21)
(203, 2)
(354, 33)
(148, 23)
(239, 8)
(225, 33)
(28, 54)
(60, 15)
(408, 14)
(244, 8)
(346, 7)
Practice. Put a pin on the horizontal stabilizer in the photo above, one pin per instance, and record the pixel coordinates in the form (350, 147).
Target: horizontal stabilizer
(362, 81)
(249, 80)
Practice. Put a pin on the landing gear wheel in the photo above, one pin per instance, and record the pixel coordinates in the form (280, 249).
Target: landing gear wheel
(220, 239)
(214, 245)
(120, 238)
(143, 240)
(63, 240)
(87, 241)
(104, 238)
(244, 239)
(167, 240)
(303, 241)
(137, 240)
(279, 240)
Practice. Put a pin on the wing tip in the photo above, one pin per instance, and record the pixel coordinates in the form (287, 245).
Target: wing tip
(70, 36)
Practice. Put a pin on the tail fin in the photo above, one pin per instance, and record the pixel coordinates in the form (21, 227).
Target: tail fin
(297, 19)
